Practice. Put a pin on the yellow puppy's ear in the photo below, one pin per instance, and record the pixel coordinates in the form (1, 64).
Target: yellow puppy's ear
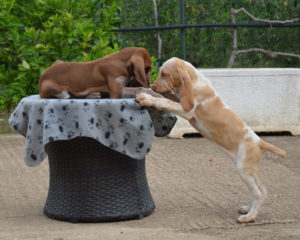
(186, 91)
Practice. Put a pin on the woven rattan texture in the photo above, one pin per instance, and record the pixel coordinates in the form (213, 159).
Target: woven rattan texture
(92, 183)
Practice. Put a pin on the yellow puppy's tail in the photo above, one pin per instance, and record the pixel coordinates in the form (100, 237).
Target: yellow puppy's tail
(265, 146)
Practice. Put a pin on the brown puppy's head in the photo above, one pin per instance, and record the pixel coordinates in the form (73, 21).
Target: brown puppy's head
(174, 77)
(142, 66)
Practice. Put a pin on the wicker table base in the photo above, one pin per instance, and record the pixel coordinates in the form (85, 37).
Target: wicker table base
(92, 183)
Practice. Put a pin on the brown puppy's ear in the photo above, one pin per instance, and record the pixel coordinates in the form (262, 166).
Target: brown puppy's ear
(139, 71)
(186, 91)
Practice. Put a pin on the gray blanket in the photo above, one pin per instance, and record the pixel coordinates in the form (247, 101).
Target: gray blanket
(120, 124)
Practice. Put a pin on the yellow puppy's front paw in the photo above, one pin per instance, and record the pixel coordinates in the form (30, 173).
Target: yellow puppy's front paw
(244, 209)
(142, 96)
(145, 99)
(246, 219)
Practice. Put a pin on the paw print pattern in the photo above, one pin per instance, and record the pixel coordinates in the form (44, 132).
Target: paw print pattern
(47, 125)
(40, 139)
(108, 102)
(60, 124)
(122, 125)
(45, 102)
(159, 120)
(142, 110)
(126, 138)
(113, 145)
(29, 139)
(65, 109)
(71, 134)
(99, 123)
(122, 122)
(165, 128)
(111, 128)
(24, 115)
(91, 122)
(42, 156)
(16, 126)
(108, 115)
(39, 122)
(149, 126)
(52, 138)
(139, 147)
(141, 130)
(76, 122)
(51, 113)
(33, 156)
(16, 114)
(123, 105)
(86, 107)
(132, 117)
(109, 132)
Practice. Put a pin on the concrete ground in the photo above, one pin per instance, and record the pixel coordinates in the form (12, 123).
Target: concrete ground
(195, 187)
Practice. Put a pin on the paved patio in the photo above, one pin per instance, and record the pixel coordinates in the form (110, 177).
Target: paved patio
(194, 185)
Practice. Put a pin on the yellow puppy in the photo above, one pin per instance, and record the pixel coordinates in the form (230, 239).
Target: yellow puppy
(201, 105)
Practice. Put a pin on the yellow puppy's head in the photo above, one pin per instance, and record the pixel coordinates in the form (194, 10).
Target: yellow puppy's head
(175, 77)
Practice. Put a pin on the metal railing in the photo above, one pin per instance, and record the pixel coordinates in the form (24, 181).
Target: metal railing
(205, 25)
(184, 26)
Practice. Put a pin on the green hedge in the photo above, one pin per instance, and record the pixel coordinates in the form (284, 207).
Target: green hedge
(211, 47)
(35, 33)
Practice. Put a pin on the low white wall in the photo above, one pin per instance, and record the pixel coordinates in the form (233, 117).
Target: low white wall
(268, 99)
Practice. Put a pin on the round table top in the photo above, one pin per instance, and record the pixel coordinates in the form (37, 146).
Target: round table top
(120, 124)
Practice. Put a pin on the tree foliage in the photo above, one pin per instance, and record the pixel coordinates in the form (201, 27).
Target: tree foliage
(211, 47)
(35, 33)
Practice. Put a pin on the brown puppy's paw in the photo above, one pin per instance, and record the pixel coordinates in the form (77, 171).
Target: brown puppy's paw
(93, 95)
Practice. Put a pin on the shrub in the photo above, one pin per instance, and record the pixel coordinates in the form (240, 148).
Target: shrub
(35, 33)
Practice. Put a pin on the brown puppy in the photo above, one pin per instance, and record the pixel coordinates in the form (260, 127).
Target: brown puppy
(201, 105)
(108, 74)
